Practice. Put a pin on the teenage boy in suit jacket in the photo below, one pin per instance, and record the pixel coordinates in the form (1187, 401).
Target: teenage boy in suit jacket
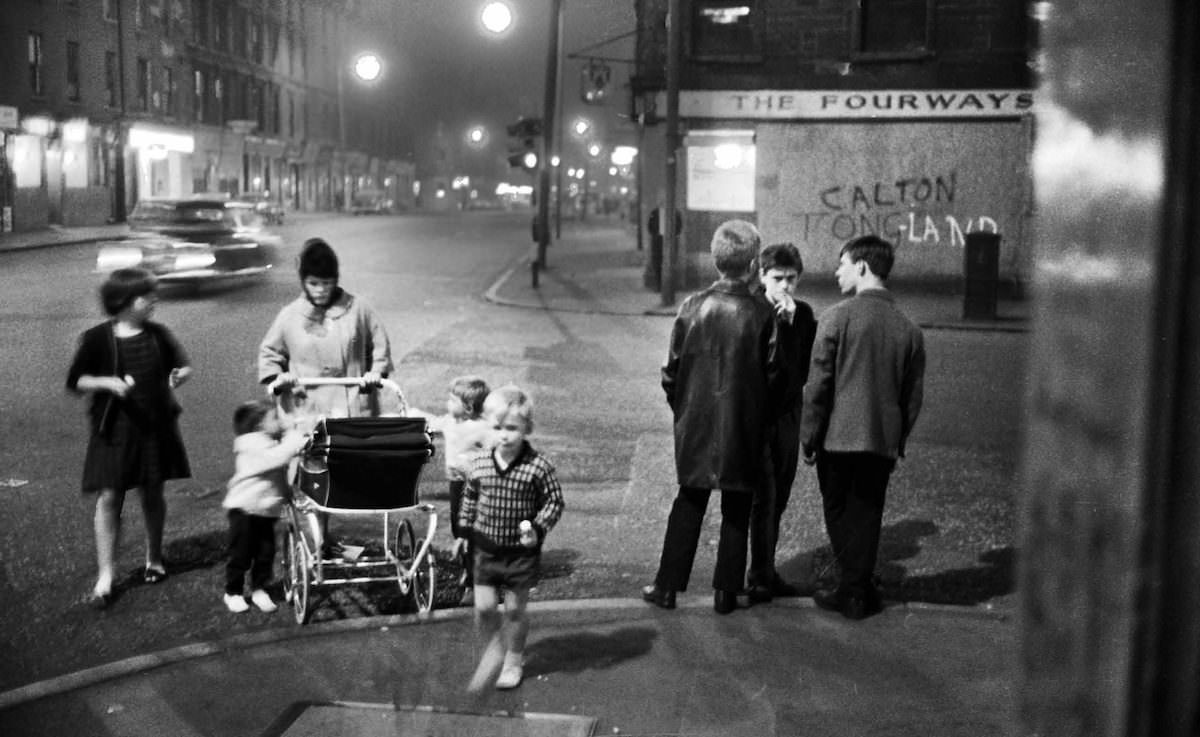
(861, 401)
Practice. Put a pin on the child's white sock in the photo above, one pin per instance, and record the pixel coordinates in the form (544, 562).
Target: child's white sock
(512, 672)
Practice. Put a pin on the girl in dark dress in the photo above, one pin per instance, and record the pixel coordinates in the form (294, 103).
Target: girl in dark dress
(130, 365)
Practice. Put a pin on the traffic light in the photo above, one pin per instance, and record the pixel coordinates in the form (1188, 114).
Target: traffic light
(524, 143)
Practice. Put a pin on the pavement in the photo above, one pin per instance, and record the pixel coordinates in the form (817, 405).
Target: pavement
(600, 666)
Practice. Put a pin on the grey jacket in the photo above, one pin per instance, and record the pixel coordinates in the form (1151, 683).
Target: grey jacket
(865, 382)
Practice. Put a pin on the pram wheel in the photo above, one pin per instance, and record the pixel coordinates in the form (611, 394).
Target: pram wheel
(421, 580)
(297, 571)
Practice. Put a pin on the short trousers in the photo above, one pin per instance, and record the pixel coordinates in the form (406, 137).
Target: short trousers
(507, 570)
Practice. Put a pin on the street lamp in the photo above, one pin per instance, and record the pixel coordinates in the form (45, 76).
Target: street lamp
(366, 67)
(498, 15)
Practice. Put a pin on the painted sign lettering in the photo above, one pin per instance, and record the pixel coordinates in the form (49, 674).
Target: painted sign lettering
(853, 104)
(900, 210)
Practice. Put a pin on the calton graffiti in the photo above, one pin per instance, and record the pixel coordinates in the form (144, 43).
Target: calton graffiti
(897, 210)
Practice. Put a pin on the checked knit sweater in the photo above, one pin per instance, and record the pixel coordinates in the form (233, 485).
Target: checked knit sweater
(495, 501)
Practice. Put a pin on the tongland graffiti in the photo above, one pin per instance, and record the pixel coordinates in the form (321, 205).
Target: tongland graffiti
(893, 210)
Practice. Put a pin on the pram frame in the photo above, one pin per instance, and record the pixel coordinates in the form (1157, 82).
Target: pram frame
(304, 561)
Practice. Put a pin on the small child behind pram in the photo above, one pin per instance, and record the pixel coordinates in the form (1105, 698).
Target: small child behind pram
(464, 431)
(254, 497)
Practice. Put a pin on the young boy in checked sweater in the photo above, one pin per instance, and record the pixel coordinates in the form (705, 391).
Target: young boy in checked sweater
(511, 500)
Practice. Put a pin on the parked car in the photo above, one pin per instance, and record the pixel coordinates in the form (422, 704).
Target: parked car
(201, 238)
(271, 210)
(372, 202)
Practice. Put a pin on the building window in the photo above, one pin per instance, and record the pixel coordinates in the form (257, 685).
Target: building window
(222, 98)
(97, 163)
(256, 39)
(170, 88)
(110, 10)
(200, 22)
(893, 29)
(110, 78)
(139, 14)
(35, 63)
(291, 118)
(220, 25)
(240, 31)
(198, 90)
(726, 30)
(143, 84)
(73, 71)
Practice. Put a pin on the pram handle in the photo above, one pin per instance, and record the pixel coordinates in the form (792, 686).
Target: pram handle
(276, 387)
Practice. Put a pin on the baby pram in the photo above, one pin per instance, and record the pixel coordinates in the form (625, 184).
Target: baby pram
(360, 467)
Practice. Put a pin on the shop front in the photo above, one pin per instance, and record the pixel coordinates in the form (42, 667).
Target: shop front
(162, 159)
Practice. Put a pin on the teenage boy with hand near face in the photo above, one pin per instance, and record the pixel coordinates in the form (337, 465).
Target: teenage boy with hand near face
(780, 267)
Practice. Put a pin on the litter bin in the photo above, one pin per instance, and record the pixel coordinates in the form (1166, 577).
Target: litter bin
(981, 267)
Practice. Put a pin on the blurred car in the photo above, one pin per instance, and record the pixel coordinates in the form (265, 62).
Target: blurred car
(194, 239)
(372, 202)
(271, 210)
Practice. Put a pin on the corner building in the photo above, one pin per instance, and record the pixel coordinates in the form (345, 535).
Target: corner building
(825, 120)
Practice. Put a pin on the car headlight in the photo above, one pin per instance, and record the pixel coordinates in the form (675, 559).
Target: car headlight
(189, 261)
(111, 258)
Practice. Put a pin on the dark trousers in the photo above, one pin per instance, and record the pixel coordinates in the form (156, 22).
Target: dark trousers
(853, 490)
(456, 529)
(683, 536)
(782, 458)
(251, 548)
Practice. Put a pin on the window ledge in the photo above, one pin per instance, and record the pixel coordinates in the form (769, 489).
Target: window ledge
(887, 56)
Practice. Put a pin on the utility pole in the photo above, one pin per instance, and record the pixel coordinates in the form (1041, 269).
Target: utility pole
(119, 211)
(549, 144)
(671, 233)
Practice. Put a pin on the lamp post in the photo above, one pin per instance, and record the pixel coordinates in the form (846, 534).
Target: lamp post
(496, 18)
(366, 67)
(549, 136)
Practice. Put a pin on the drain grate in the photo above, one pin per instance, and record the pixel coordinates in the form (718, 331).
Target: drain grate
(307, 719)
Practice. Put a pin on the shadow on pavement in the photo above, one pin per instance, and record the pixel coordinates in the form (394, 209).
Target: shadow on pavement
(901, 541)
(582, 651)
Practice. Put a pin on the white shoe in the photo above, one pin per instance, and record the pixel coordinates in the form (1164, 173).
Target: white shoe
(262, 600)
(235, 603)
(511, 674)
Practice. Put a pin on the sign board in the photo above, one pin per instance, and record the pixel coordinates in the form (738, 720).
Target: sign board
(853, 104)
(720, 171)
(9, 119)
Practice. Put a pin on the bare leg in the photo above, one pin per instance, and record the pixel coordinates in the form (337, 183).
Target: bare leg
(487, 622)
(107, 526)
(516, 627)
(154, 513)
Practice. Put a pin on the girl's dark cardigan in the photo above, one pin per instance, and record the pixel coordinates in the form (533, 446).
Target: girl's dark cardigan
(98, 356)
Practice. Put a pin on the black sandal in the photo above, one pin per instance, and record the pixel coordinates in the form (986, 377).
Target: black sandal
(154, 575)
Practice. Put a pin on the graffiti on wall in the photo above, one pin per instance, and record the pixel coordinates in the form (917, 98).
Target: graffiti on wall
(899, 210)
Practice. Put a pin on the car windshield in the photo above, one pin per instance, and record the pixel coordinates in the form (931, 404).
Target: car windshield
(175, 213)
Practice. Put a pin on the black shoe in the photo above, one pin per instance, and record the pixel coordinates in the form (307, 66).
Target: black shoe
(724, 601)
(659, 597)
(850, 606)
(783, 589)
(828, 599)
(759, 594)
(861, 607)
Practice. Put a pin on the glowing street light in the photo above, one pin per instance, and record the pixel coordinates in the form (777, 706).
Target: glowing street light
(582, 126)
(368, 67)
(496, 17)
